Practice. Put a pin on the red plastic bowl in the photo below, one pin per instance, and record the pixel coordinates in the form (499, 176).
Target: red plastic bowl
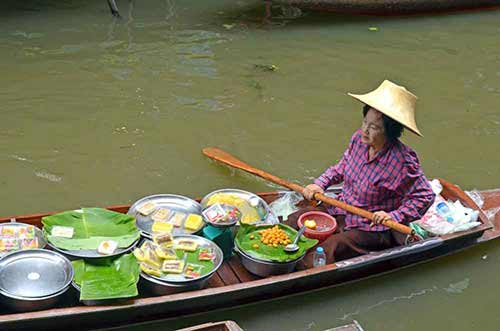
(325, 225)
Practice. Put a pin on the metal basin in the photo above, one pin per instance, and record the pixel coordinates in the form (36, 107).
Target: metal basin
(158, 287)
(34, 279)
(264, 268)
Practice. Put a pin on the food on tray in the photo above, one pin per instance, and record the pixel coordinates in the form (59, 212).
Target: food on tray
(9, 244)
(29, 243)
(186, 245)
(107, 247)
(162, 227)
(193, 222)
(150, 269)
(139, 254)
(249, 213)
(150, 257)
(165, 253)
(206, 254)
(19, 232)
(177, 219)
(62, 231)
(163, 239)
(161, 215)
(310, 224)
(255, 246)
(193, 270)
(274, 236)
(147, 244)
(146, 208)
(173, 266)
(214, 213)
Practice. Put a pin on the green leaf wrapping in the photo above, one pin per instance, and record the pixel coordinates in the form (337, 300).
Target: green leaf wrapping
(91, 227)
(109, 278)
(269, 253)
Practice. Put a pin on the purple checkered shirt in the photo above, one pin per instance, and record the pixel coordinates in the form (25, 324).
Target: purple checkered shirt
(392, 181)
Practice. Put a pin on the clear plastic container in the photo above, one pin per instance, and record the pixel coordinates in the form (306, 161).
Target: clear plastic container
(319, 257)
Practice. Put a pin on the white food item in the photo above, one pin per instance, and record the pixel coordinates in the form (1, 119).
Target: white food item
(107, 247)
(62, 231)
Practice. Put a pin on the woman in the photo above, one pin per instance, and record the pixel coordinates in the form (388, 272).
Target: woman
(380, 174)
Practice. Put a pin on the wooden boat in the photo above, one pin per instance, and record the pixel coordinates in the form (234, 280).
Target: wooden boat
(215, 326)
(233, 285)
(388, 7)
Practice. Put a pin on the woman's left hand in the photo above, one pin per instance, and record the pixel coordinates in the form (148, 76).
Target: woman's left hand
(380, 216)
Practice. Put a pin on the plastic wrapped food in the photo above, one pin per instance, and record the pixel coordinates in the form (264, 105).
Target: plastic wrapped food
(9, 244)
(163, 239)
(165, 253)
(286, 205)
(150, 269)
(62, 231)
(206, 254)
(139, 254)
(150, 257)
(162, 227)
(146, 208)
(161, 215)
(177, 218)
(29, 243)
(193, 270)
(186, 245)
(173, 266)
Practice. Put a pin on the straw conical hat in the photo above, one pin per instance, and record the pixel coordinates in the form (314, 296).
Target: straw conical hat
(394, 101)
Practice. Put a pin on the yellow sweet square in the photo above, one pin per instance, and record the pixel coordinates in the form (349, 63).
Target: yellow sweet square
(193, 222)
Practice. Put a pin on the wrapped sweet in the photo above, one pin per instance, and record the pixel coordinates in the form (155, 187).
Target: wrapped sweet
(29, 243)
(161, 215)
(146, 208)
(193, 270)
(165, 253)
(173, 266)
(177, 219)
(163, 239)
(162, 227)
(186, 245)
(150, 269)
(193, 222)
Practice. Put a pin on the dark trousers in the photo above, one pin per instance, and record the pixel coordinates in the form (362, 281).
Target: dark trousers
(345, 244)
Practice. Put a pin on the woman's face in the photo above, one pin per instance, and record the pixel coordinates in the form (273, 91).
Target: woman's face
(372, 129)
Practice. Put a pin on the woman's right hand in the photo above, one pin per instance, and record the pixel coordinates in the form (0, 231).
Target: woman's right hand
(310, 190)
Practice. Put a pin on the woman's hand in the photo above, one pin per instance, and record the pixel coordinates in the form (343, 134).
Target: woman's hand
(310, 190)
(380, 216)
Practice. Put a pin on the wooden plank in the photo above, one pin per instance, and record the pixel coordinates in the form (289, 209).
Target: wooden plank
(215, 281)
(240, 271)
(227, 274)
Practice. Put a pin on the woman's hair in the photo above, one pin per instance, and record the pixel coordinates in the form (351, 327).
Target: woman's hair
(393, 129)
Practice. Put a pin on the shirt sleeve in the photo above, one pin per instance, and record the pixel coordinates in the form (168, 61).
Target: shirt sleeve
(417, 192)
(335, 173)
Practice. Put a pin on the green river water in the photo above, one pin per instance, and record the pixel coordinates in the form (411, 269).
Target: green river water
(97, 111)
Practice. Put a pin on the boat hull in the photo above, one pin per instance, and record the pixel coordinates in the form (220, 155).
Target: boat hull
(388, 7)
(233, 285)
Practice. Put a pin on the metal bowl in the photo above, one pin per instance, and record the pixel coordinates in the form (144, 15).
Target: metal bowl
(264, 268)
(170, 201)
(157, 287)
(42, 242)
(180, 279)
(34, 279)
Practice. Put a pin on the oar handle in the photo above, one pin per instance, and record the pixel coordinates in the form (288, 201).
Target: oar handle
(364, 213)
(224, 157)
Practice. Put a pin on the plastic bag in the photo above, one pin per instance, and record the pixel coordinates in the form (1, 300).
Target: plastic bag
(476, 197)
(286, 205)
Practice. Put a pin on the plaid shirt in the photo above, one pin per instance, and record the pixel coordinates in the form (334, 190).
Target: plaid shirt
(392, 181)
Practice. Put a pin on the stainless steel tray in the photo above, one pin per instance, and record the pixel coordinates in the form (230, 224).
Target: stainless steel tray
(170, 201)
(180, 279)
(42, 242)
(244, 195)
(34, 273)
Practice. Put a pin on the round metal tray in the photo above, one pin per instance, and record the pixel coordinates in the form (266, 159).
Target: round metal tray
(179, 278)
(241, 194)
(92, 253)
(34, 273)
(42, 242)
(170, 201)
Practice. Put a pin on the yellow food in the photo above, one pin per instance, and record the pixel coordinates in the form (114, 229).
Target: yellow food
(274, 237)
(255, 246)
(162, 227)
(310, 224)
(150, 269)
(193, 222)
(252, 236)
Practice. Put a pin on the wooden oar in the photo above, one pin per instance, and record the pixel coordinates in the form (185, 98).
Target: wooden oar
(224, 157)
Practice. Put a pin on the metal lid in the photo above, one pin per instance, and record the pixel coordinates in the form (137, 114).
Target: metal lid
(34, 273)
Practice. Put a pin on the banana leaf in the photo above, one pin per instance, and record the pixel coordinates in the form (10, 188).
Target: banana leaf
(91, 227)
(109, 278)
(277, 254)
